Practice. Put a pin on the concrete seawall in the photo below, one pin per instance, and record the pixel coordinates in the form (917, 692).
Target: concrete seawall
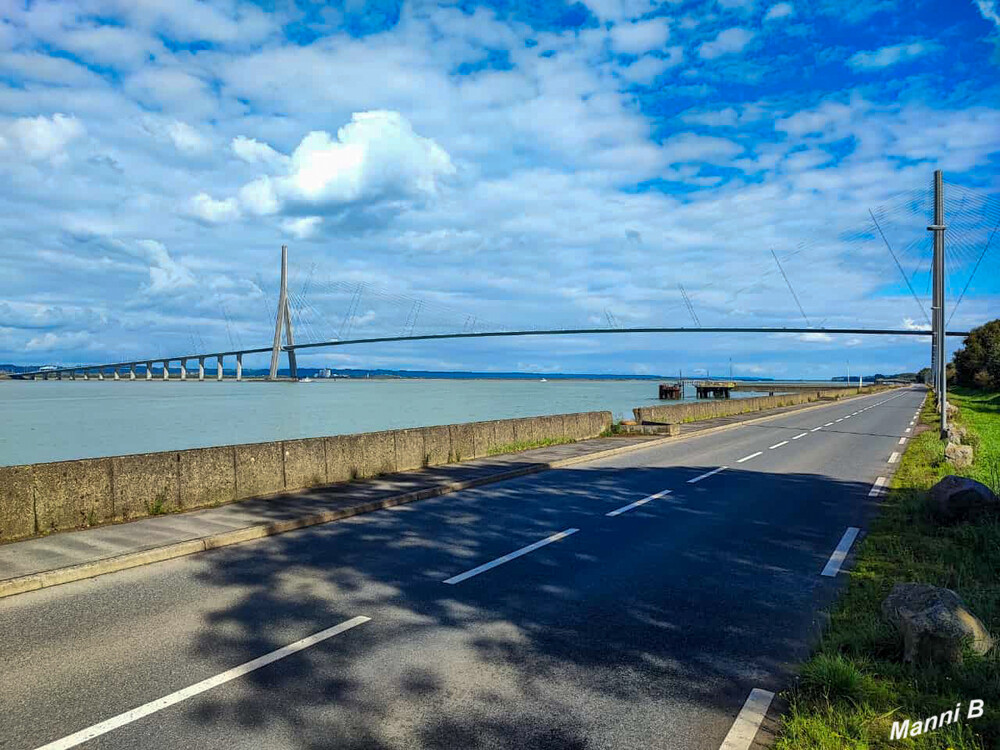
(692, 412)
(38, 498)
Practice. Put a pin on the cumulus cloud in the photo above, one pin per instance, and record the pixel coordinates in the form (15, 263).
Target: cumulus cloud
(691, 147)
(209, 210)
(185, 138)
(640, 36)
(892, 55)
(165, 274)
(303, 227)
(377, 156)
(647, 68)
(255, 152)
(43, 137)
(990, 10)
(910, 325)
(50, 341)
(726, 42)
(779, 10)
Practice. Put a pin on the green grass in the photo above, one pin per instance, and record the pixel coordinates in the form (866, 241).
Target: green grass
(856, 685)
(525, 445)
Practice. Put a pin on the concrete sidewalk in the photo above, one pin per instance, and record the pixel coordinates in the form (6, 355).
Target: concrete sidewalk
(74, 555)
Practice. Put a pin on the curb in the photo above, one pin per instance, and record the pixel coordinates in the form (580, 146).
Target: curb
(48, 578)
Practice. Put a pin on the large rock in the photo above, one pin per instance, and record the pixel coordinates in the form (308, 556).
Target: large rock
(960, 498)
(960, 456)
(956, 434)
(934, 623)
(951, 409)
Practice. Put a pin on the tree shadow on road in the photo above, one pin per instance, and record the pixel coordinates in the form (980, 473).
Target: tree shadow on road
(643, 630)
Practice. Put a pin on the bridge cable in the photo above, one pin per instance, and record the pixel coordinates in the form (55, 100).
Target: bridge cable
(908, 284)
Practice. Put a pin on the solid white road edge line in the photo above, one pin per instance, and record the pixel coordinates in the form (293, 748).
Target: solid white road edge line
(800, 435)
(894, 457)
(778, 445)
(839, 554)
(878, 488)
(747, 458)
(637, 503)
(159, 704)
(511, 556)
(707, 474)
(748, 721)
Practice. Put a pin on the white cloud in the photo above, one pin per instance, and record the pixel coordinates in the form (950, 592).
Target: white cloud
(691, 147)
(892, 55)
(165, 274)
(647, 68)
(616, 10)
(206, 208)
(304, 227)
(725, 43)
(910, 325)
(640, 36)
(44, 137)
(377, 156)
(815, 338)
(737, 4)
(255, 152)
(259, 197)
(990, 10)
(186, 139)
(779, 10)
(50, 341)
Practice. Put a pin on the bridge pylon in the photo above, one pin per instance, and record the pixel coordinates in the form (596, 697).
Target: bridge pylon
(283, 319)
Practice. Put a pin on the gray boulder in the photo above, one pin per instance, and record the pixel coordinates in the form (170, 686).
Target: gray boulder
(960, 456)
(960, 498)
(935, 624)
(951, 409)
(956, 433)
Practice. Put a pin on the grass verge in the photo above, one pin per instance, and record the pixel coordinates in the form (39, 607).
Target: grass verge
(856, 685)
(528, 445)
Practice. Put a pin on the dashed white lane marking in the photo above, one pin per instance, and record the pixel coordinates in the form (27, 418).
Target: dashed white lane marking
(748, 721)
(878, 488)
(800, 435)
(747, 458)
(840, 554)
(907, 429)
(814, 429)
(777, 445)
(839, 420)
(828, 424)
(707, 474)
(894, 457)
(510, 556)
(159, 704)
(902, 440)
(637, 503)
(847, 417)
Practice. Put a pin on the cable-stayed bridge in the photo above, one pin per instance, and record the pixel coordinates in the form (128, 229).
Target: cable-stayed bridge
(909, 229)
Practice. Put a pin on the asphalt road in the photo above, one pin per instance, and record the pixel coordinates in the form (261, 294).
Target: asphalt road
(644, 629)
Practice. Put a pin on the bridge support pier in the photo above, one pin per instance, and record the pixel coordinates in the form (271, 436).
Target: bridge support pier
(149, 371)
(184, 372)
(100, 373)
(131, 371)
(116, 374)
(218, 367)
(239, 367)
(166, 369)
(201, 368)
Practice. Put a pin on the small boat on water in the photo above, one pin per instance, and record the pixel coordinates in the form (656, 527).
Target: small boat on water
(305, 380)
(543, 380)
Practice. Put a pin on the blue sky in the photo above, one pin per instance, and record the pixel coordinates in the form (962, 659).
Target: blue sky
(461, 166)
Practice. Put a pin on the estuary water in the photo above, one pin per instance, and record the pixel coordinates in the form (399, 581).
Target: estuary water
(60, 420)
